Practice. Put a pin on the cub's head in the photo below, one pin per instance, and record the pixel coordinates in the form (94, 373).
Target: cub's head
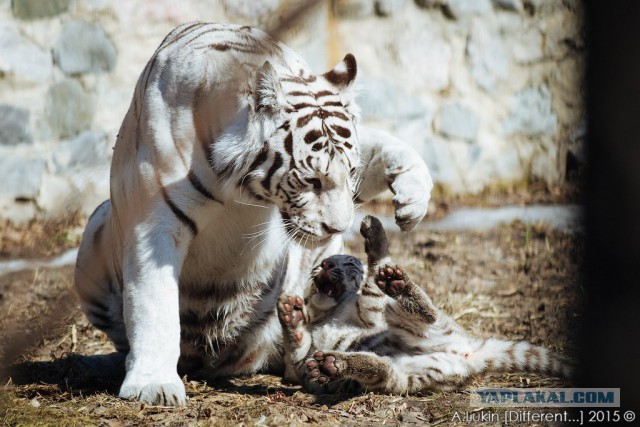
(333, 280)
(307, 161)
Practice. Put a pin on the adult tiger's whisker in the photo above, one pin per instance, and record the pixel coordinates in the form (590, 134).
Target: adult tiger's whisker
(251, 204)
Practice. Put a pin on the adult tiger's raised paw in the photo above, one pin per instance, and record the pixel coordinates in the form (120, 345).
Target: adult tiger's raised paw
(390, 163)
(412, 191)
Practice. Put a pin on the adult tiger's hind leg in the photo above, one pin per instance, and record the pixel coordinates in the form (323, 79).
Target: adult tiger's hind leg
(97, 287)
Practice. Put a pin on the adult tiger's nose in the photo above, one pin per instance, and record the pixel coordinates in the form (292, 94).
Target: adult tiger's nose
(330, 230)
(327, 265)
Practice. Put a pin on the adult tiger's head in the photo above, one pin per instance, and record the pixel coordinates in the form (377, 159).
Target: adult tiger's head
(308, 151)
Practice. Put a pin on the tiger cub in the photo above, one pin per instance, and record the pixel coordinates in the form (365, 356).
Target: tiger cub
(384, 332)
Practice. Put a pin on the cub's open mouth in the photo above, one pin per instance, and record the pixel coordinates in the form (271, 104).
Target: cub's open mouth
(326, 283)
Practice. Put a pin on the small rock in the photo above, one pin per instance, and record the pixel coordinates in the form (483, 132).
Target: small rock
(531, 113)
(353, 8)
(457, 121)
(461, 9)
(14, 125)
(20, 58)
(412, 418)
(84, 48)
(70, 109)
(389, 7)
(34, 402)
(34, 9)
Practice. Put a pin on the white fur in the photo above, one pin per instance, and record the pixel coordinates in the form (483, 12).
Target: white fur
(145, 253)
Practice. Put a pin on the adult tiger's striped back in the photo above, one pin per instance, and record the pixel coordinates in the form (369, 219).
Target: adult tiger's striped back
(233, 172)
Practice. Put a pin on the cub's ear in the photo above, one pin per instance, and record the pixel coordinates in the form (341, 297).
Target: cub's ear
(343, 76)
(266, 92)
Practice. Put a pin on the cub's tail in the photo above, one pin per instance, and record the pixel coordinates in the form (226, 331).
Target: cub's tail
(495, 355)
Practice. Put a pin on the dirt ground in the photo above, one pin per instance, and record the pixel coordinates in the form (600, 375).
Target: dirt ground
(517, 281)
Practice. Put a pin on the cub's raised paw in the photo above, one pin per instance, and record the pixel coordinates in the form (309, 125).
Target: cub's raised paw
(156, 394)
(375, 239)
(321, 368)
(290, 311)
(391, 280)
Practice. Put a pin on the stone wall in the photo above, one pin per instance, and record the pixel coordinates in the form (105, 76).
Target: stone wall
(488, 91)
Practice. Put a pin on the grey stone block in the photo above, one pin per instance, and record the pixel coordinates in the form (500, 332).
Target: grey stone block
(21, 176)
(531, 113)
(389, 7)
(251, 10)
(458, 121)
(20, 58)
(70, 109)
(487, 55)
(14, 125)
(90, 148)
(383, 99)
(84, 48)
(34, 9)
(461, 9)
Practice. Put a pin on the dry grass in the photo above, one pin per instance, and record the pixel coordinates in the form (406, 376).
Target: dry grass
(516, 282)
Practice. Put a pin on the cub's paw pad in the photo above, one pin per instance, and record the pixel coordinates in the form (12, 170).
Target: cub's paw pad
(322, 367)
(290, 310)
(391, 280)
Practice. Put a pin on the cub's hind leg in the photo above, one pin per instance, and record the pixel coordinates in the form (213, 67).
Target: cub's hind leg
(403, 374)
(98, 288)
(370, 371)
(297, 340)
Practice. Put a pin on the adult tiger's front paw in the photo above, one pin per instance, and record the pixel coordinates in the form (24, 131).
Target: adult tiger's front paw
(154, 391)
(412, 192)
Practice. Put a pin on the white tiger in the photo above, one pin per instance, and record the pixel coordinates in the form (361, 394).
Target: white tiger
(234, 172)
(384, 333)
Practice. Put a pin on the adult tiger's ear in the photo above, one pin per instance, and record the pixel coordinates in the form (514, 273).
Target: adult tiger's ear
(266, 92)
(344, 74)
